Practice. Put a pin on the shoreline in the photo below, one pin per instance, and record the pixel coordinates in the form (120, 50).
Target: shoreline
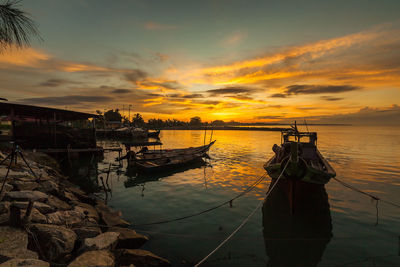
(46, 220)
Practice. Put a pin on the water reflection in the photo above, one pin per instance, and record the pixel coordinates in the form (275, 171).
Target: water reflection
(297, 238)
(135, 178)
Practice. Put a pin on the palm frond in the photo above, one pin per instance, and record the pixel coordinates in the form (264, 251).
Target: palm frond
(16, 28)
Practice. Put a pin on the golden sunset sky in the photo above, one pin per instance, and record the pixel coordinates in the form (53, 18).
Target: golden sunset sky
(248, 61)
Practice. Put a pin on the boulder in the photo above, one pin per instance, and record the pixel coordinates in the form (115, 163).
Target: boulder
(139, 257)
(90, 210)
(110, 217)
(24, 185)
(26, 195)
(48, 187)
(55, 241)
(86, 232)
(66, 217)
(4, 207)
(13, 174)
(25, 263)
(106, 240)
(7, 188)
(128, 238)
(14, 243)
(35, 217)
(97, 258)
(41, 207)
(67, 196)
(57, 203)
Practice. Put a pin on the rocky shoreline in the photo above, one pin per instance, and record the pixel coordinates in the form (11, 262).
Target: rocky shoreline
(48, 221)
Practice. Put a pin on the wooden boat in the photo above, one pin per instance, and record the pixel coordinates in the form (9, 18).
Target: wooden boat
(153, 134)
(305, 161)
(166, 159)
(168, 163)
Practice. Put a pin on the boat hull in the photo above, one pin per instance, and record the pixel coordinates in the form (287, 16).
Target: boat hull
(311, 174)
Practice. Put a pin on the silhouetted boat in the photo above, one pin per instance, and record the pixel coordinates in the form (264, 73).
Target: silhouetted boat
(166, 159)
(153, 134)
(306, 162)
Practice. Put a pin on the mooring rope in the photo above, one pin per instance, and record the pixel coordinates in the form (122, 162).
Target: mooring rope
(367, 194)
(250, 188)
(377, 199)
(244, 221)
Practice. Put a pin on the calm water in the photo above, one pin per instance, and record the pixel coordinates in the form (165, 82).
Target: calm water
(366, 157)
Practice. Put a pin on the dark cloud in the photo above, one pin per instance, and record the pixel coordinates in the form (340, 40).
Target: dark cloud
(208, 102)
(154, 95)
(308, 89)
(185, 96)
(307, 108)
(168, 84)
(54, 82)
(229, 90)
(136, 75)
(269, 117)
(278, 95)
(240, 97)
(319, 89)
(121, 91)
(329, 98)
(67, 100)
(193, 96)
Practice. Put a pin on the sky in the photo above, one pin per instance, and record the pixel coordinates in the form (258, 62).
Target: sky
(248, 61)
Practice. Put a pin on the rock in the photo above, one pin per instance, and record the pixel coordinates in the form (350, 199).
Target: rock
(66, 217)
(129, 238)
(67, 196)
(97, 258)
(55, 241)
(7, 188)
(48, 187)
(41, 207)
(13, 173)
(14, 243)
(25, 263)
(22, 185)
(26, 195)
(139, 257)
(110, 217)
(36, 216)
(87, 232)
(58, 203)
(91, 212)
(106, 240)
(4, 207)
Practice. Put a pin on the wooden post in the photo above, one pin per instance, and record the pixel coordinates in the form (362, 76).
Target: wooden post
(28, 212)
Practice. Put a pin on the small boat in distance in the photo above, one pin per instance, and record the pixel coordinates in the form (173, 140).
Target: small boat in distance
(154, 134)
(305, 164)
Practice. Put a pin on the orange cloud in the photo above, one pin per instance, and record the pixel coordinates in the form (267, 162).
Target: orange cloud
(27, 57)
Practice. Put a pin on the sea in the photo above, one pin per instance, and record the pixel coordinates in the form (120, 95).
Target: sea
(352, 229)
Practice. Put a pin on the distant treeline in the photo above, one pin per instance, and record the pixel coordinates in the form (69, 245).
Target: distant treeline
(194, 123)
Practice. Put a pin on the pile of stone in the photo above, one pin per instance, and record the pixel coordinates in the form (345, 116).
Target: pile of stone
(48, 221)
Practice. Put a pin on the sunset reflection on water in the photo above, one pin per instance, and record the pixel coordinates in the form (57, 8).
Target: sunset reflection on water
(366, 157)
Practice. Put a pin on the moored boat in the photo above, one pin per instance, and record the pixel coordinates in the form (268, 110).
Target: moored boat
(165, 159)
(301, 157)
(155, 134)
(168, 163)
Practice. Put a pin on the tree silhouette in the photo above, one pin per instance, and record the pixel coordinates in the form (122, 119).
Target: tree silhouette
(195, 121)
(16, 28)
